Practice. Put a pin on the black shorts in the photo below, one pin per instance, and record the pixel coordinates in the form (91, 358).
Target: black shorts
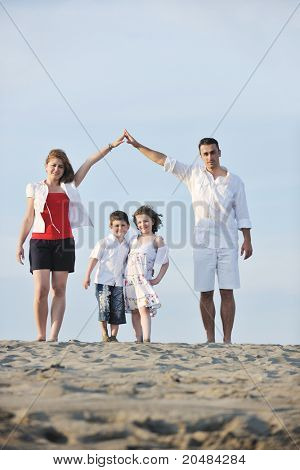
(56, 255)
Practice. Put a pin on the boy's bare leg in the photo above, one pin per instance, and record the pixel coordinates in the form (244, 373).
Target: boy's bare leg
(103, 325)
(137, 326)
(227, 313)
(208, 312)
(146, 323)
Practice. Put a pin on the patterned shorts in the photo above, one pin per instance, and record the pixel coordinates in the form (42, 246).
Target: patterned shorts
(111, 304)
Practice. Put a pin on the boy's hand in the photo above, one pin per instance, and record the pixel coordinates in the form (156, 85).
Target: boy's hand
(87, 282)
(154, 281)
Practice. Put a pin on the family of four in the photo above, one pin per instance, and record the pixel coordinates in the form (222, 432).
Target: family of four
(127, 269)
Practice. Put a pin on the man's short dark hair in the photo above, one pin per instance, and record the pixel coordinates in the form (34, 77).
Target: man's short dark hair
(118, 215)
(208, 141)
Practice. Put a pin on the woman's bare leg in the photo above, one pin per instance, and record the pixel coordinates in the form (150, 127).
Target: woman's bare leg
(59, 283)
(137, 326)
(145, 322)
(41, 279)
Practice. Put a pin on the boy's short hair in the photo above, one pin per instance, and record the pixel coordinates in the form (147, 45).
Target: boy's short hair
(118, 215)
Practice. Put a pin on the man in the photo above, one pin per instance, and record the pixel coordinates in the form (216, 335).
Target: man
(220, 208)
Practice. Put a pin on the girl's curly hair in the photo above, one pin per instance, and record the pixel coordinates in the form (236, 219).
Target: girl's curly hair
(68, 175)
(147, 210)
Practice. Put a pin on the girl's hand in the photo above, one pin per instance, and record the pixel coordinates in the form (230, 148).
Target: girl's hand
(130, 139)
(87, 282)
(20, 255)
(154, 281)
(118, 141)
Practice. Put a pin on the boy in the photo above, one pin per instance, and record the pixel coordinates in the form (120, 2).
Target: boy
(111, 252)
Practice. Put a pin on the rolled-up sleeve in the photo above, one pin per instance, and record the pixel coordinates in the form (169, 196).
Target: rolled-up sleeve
(241, 208)
(29, 190)
(181, 170)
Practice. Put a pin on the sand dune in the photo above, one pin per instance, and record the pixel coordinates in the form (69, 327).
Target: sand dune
(149, 396)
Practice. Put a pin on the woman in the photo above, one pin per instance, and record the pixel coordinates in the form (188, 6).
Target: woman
(53, 209)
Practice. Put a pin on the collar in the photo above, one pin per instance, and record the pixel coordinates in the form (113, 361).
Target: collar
(111, 238)
(204, 170)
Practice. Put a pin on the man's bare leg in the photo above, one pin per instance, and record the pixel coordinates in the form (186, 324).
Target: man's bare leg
(208, 312)
(227, 313)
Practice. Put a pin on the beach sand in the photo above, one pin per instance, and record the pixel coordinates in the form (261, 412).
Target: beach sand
(80, 395)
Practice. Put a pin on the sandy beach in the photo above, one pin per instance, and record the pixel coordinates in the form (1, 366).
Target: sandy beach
(79, 395)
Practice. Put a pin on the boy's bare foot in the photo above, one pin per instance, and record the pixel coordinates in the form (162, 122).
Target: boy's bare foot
(41, 338)
(105, 338)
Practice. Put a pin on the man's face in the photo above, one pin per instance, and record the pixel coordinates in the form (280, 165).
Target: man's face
(210, 154)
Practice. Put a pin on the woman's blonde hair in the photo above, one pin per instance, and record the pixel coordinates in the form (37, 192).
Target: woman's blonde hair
(68, 175)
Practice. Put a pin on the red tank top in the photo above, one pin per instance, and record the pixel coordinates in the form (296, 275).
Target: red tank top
(56, 218)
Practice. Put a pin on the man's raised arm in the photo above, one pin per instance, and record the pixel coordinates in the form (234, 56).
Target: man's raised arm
(156, 157)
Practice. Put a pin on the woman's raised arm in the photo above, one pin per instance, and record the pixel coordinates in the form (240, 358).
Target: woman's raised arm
(85, 167)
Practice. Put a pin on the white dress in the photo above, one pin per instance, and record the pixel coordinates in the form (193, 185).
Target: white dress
(139, 270)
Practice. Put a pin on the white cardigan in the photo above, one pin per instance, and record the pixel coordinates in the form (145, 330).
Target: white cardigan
(78, 216)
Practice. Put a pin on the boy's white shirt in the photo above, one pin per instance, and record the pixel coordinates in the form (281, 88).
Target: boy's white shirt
(112, 258)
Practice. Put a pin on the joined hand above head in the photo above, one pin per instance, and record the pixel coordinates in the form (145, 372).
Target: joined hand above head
(130, 140)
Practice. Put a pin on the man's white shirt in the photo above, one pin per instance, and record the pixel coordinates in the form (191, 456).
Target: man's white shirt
(220, 204)
(112, 257)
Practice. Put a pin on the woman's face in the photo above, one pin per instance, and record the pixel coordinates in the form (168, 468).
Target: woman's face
(144, 224)
(55, 168)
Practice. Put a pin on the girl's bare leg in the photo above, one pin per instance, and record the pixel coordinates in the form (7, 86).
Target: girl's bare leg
(145, 322)
(59, 283)
(137, 326)
(41, 279)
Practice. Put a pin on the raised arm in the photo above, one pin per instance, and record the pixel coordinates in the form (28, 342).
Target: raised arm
(154, 156)
(85, 167)
(25, 229)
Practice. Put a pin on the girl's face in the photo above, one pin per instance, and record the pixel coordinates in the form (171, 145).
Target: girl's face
(144, 224)
(55, 168)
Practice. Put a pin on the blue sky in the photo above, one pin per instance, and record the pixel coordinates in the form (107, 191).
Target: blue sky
(167, 71)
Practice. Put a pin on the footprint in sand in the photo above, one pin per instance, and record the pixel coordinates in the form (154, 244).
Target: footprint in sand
(53, 435)
(157, 426)
(89, 417)
(106, 434)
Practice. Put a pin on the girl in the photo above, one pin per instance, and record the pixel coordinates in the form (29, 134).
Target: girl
(53, 209)
(146, 250)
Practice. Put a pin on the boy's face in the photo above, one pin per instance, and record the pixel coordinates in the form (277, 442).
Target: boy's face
(119, 228)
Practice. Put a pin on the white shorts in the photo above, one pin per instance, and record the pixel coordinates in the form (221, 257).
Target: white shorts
(209, 262)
